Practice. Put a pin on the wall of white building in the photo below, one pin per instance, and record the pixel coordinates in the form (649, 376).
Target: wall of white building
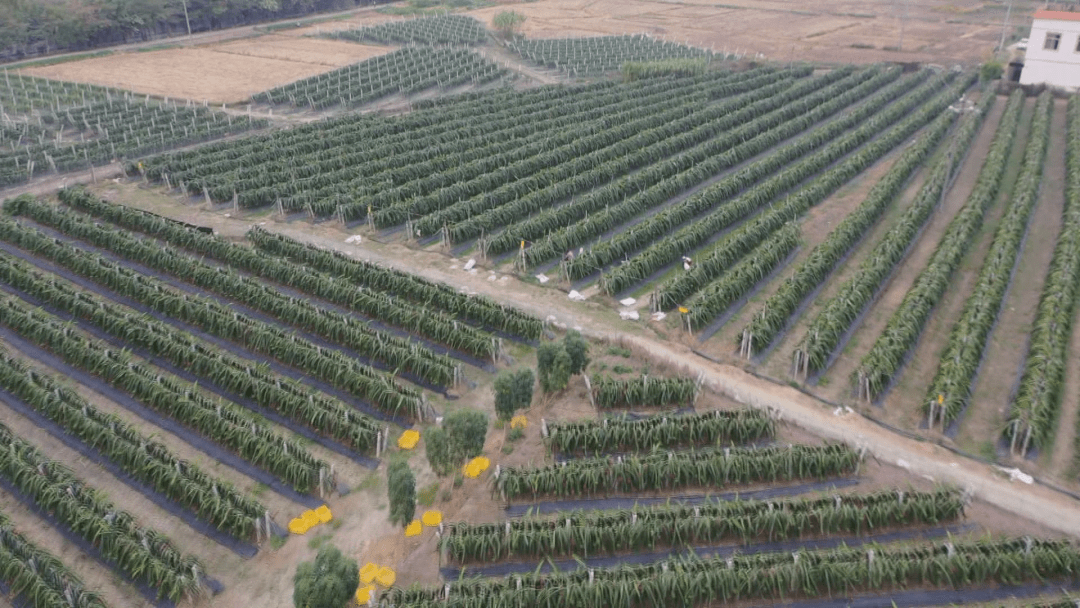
(1060, 67)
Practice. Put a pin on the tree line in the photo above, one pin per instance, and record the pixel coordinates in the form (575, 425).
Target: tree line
(30, 28)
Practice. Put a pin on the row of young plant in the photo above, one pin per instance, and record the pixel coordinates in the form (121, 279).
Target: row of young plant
(142, 554)
(424, 130)
(37, 579)
(1036, 407)
(737, 283)
(417, 178)
(315, 161)
(644, 391)
(675, 526)
(711, 263)
(106, 129)
(665, 471)
(840, 313)
(626, 434)
(599, 54)
(328, 365)
(395, 353)
(872, 95)
(881, 364)
(950, 390)
(145, 459)
(429, 29)
(300, 404)
(779, 576)
(752, 128)
(477, 309)
(405, 71)
(685, 153)
(376, 304)
(774, 315)
(819, 151)
(473, 189)
(218, 421)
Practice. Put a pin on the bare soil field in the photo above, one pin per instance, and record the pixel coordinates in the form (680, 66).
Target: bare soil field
(831, 31)
(228, 72)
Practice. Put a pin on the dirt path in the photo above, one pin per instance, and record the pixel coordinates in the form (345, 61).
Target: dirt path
(898, 406)
(1056, 510)
(1007, 348)
(915, 261)
(502, 56)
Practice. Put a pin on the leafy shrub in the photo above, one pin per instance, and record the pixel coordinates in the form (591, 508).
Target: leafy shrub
(327, 582)
(461, 437)
(513, 391)
(401, 489)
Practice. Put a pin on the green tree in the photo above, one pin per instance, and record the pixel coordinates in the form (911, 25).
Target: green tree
(578, 348)
(553, 365)
(328, 582)
(437, 448)
(401, 490)
(513, 391)
(467, 429)
(507, 22)
(461, 437)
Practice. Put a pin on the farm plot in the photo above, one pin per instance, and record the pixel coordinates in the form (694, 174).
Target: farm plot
(589, 56)
(409, 157)
(439, 29)
(155, 350)
(691, 548)
(405, 71)
(50, 126)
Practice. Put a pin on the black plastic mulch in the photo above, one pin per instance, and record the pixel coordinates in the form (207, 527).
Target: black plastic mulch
(100, 334)
(568, 565)
(241, 548)
(555, 506)
(82, 282)
(195, 440)
(145, 590)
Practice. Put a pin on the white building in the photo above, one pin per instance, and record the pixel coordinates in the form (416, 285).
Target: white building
(1053, 50)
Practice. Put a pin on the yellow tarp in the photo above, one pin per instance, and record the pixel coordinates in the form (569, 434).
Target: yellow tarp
(432, 518)
(408, 439)
(385, 576)
(324, 515)
(298, 526)
(519, 422)
(413, 528)
(368, 572)
(476, 466)
(363, 594)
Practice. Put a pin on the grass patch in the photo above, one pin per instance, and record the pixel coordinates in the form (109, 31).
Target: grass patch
(622, 369)
(371, 482)
(619, 352)
(317, 541)
(39, 63)
(277, 542)
(259, 490)
(508, 448)
(515, 434)
(426, 496)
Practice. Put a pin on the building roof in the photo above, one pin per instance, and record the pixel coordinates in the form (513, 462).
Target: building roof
(1057, 15)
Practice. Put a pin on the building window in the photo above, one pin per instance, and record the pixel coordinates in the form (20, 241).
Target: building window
(1052, 41)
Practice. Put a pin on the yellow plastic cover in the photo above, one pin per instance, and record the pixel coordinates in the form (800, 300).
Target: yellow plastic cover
(519, 422)
(385, 576)
(310, 518)
(298, 526)
(324, 514)
(363, 594)
(368, 572)
(408, 439)
(432, 518)
(414, 528)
